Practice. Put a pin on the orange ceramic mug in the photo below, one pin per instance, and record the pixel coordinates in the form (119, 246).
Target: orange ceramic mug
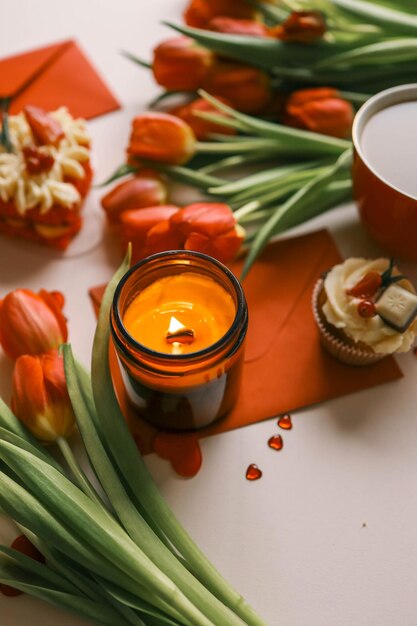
(385, 168)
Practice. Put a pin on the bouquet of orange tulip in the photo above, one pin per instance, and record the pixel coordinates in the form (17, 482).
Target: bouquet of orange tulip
(299, 66)
(272, 199)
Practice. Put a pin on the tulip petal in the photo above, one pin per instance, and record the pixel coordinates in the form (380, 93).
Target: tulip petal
(161, 137)
(133, 193)
(28, 393)
(55, 301)
(179, 64)
(207, 218)
(136, 224)
(202, 128)
(40, 397)
(224, 248)
(163, 237)
(28, 325)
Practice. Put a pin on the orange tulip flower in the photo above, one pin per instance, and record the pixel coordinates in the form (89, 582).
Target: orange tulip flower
(204, 227)
(234, 26)
(321, 110)
(136, 226)
(143, 190)
(40, 397)
(210, 228)
(202, 128)
(161, 137)
(247, 88)
(180, 64)
(300, 27)
(199, 12)
(224, 247)
(31, 323)
(163, 236)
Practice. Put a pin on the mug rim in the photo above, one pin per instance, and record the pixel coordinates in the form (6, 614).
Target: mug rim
(378, 102)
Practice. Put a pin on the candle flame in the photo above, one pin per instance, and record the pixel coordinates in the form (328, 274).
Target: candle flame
(178, 333)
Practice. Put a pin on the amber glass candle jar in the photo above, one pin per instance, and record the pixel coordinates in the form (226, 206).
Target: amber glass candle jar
(191, 315)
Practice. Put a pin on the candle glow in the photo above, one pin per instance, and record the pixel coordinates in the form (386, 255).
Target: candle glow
(180, 314)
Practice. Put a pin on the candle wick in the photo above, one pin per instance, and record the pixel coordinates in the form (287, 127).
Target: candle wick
(177, 333)
(181, 336)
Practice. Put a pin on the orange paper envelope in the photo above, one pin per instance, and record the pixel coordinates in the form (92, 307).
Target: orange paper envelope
(54, 76)
(285, 366)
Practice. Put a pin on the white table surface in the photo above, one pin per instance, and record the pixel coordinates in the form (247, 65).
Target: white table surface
(328, 536)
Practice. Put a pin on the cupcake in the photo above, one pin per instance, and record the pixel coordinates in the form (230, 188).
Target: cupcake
(45, 174)
(365, 310)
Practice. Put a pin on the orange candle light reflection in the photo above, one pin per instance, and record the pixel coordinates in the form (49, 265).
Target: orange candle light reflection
(180, 314)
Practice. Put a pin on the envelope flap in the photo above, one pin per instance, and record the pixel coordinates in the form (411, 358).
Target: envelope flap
(17, 70)
(283, 274)
(55, 76)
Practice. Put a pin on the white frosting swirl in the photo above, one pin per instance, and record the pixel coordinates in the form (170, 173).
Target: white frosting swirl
(341, 309)
(27, 190)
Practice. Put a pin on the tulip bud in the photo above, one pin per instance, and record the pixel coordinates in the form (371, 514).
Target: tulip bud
(247, 88)
(208, 218)
(233, 26)
(163, 236)
(321, 110)
(40, 397)
(136, 225)
(180, 64)
(210, 228)
(161, 137)
(199, 12)
(143, 190)
(202, 128)
(224, 248)
(31, 323)
(300, 27)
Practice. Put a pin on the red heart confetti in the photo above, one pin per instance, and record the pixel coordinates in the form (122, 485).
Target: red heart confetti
(276, 442)
(285, 422)
(253, 472)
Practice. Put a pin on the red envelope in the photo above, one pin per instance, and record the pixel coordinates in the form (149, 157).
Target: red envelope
(54, 76)
(285, 366)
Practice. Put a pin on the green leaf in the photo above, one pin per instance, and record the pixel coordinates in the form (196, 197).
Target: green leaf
(255, 181)
(136, 60)
(237, 161)
(145, 608)
(263, 52)
(393, 51)
(391, 20)
(9, 423)
(123, 170)
(166, 95)
(87, 520)
(5, 139)
(291, 140)
(28, 512)
(281, 189)
(310, 191)
(135, 473)
(20, 579)
(189, 176)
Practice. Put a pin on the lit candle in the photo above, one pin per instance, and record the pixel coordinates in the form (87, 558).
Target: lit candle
(180, 314)
(179, 321)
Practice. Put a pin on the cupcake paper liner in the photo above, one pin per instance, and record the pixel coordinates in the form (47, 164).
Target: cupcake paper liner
(337, 347)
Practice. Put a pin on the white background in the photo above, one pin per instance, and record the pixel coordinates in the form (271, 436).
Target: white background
(328, 536)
